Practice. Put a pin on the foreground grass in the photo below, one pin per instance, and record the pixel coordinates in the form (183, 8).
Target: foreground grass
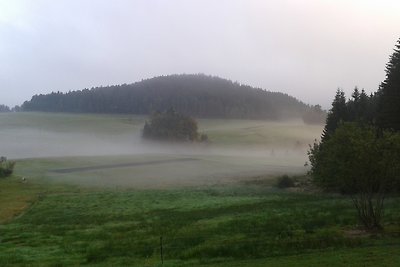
(384, 256)
(236, 225)
(16, 196)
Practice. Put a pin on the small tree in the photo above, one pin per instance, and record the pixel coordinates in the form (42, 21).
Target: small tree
(6, 167)
(355, 162)
(285, 181)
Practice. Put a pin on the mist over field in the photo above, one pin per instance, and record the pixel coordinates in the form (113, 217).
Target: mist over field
(108, 150)
(49, 135)
(34, 143)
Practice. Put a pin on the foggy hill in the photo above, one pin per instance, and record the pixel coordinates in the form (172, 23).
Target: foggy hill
(195, 94)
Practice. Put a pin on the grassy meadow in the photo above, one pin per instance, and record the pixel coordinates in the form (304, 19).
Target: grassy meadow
(96, 195)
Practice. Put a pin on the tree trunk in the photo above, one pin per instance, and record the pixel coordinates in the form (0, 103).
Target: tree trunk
(370, 210)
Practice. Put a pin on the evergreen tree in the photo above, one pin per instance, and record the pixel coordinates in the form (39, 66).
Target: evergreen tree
(366, 108)
(388, 116)
(360, 108)
(336, 114)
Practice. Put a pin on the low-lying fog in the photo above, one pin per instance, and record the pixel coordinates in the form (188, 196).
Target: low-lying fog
(237, 149)
(32, 143)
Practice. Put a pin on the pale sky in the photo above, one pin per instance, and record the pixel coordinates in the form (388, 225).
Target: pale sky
(306, 48)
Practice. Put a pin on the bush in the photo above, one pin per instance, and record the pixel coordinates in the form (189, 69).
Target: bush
(6, 167)
(285, 181)
(203, 138)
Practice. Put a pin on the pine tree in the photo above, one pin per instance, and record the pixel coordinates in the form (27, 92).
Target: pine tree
(360, 108)
(388, 116)
(336, 114)
(366, 108)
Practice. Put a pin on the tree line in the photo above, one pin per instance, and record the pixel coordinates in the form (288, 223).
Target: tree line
(4, 108)
(195, 95)
(359, 150)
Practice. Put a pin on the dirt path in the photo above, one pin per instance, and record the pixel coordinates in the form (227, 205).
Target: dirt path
(110, 166)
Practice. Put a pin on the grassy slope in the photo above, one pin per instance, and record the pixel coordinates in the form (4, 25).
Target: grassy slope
(289, 134)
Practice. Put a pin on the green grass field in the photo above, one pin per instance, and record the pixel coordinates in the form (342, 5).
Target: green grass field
(236, 225)
(97, 196)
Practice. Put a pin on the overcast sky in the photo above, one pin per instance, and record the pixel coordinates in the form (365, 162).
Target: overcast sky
(306, 48)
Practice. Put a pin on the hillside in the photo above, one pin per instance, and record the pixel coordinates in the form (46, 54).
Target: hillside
(196, 95)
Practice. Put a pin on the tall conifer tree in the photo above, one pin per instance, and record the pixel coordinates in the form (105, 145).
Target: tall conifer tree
(336, 114)
(388, 116)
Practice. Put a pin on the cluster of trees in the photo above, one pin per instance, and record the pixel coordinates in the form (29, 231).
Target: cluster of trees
(361, 108)
(196, 95)
(6, 167)
(4, 108)
(359, 149)
(172, 126)
(315, 115)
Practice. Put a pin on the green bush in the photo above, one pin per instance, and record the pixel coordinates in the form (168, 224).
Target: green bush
(203, 138)
(285, 181)
(6, 167)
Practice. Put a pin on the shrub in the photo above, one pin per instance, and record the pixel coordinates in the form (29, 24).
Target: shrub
(203, 138)
(6, 167)
(285, 181)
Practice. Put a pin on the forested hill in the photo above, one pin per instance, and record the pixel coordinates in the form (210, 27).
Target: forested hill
(195, 95)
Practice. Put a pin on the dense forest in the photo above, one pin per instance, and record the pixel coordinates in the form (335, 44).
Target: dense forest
(195, 95)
